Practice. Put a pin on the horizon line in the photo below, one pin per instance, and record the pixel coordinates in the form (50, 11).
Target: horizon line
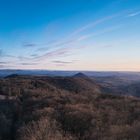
(72, 70)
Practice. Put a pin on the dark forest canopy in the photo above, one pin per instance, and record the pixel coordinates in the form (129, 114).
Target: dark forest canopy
(65, 108)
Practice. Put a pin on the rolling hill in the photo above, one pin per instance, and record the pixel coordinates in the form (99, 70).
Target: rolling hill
(65, 108)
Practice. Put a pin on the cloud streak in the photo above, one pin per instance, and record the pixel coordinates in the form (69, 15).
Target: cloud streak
(28, 64)
(29, 45)
(1, 52)
(2, 63)
(72, 37)
(44, 53)
(93, 24)
(106, 30)
(55, 53)
(57, 44)
(134, 14)
(62, 62)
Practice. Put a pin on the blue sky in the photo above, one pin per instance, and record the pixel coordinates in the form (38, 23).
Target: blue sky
(70, 34)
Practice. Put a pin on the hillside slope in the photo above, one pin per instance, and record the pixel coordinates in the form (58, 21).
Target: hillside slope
(64, 108)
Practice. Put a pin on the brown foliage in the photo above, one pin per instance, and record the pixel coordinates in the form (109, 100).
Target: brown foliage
(44, 108)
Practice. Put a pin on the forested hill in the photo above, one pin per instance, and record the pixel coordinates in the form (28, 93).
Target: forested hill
(65, 108)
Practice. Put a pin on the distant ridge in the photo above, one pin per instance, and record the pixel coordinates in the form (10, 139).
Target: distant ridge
(12, 76)
(80, 75)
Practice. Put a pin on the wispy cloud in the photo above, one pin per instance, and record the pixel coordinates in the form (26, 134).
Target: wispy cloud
(1, 52)
(55, 53)
(94, 23)
(25, 44)
(66, 47)
(33, 55)
(73, 37)
(134, 14)
(106, 30)
(7, 65)
(73, 43)
(2, 63)
(28, 64)
(56, 44)
(47, 52)
(9, 56)
(47, 55)
(5, 55)
(62, 62)
(2, 66)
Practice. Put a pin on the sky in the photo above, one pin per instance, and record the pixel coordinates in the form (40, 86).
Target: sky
(98, 35)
